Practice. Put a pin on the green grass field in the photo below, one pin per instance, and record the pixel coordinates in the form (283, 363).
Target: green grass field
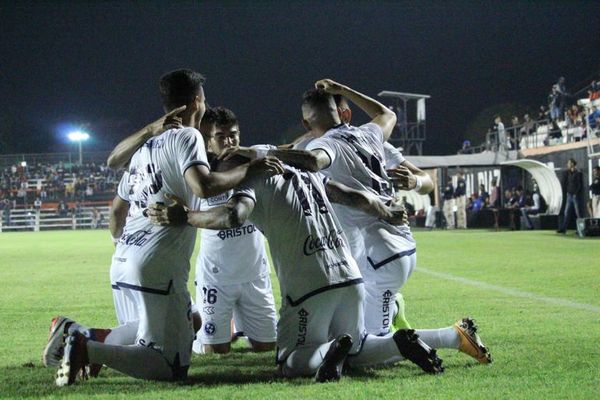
(535, 295)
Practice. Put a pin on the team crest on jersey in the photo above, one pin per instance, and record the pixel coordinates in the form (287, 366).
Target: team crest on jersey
(210, 328)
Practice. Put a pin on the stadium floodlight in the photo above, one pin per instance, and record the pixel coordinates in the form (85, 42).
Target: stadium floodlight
(79, 136)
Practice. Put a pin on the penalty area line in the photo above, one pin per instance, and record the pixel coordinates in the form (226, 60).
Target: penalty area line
(511, 292)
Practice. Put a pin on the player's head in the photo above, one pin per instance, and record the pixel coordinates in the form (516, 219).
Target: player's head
(183, 87)
(226, 130)
(319, 112)
(343, 108)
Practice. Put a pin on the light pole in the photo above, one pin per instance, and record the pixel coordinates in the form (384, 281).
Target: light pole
(79, 136)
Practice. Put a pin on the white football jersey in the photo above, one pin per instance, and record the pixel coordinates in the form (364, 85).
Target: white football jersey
(230, 256)
(357, 158)
(158, 167)
(308, 246)
(393, 156)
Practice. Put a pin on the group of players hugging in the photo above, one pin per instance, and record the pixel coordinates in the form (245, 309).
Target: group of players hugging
(340, 244)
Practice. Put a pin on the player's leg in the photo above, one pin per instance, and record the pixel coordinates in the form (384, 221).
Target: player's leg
(383, 279)
(216, 311)
(255, 311)
(303, 334)
(370, 350)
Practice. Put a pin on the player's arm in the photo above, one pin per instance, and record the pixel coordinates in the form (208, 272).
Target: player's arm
(407, 176)
(117, 217)
(365, 201)
(231, 215)
(310, 160)
(205, 183)
(123, 152)
(379, 113)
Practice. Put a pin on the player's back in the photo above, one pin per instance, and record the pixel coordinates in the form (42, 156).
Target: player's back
(309, 249)
(155, 169)
(357, 157)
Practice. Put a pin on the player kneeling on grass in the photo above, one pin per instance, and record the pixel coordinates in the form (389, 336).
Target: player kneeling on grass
(321, 318)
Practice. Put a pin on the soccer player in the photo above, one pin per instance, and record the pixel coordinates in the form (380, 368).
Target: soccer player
(157, 258)
(355, 157)
(232, 273)
(321, 317)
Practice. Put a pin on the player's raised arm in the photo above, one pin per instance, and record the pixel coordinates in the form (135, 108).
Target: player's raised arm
(367, 202)
(407, 176)
(122, 153)
(313, 161)
(379, 113)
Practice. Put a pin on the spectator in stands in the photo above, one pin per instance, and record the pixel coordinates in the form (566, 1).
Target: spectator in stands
(37, 204)
(494, 201)
(543, 113)
(594, 203)
(554, 103)
(95, 218)
(572, 184)
(448, 207)
(460, 196)
(502, 139)
(528, 126)
(63, 209)
(532, 209)
(483, 195)
(466, 147)
(594, 118)
(562, 94)
(475, 203)
(517, 202)
(594, 91)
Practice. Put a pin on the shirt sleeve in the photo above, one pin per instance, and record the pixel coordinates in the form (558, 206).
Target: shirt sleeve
(123, 188)
(393, 156)
(373, 130)
(190, 149)
(326, 145)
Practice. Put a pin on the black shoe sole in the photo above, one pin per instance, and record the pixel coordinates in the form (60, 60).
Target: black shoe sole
(415, 350)
(331, 368)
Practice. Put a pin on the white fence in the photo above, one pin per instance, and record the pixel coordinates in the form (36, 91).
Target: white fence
(38, 220)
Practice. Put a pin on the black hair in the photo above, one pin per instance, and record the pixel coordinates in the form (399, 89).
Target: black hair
(180, 87)
(316, 98)
(573, 161)
(224, 116)
(209, 117)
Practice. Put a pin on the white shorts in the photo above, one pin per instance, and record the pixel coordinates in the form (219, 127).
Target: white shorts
(165, 317)
(251, 305)
(391, 259)
(321, 318)
(125, 309)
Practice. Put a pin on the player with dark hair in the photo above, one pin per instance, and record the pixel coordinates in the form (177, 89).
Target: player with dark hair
(154, 261)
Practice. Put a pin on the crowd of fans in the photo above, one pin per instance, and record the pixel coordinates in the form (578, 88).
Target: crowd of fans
(561, 119)
(33, 186)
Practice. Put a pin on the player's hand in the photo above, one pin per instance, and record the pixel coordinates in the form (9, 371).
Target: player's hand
(402, 178)
(230, 152)
(398, 214)
(168, 121)
(174, 214)
(269, 166)
(329, 86)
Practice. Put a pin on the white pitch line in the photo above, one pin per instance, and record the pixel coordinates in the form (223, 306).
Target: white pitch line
(511, 292)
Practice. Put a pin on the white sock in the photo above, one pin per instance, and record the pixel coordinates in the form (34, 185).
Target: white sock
(305, 361)
(444, 338)
(136, 361)
(376, 350)
(123, 334)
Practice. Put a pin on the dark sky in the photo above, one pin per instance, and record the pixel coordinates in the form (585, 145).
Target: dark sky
(98, 63)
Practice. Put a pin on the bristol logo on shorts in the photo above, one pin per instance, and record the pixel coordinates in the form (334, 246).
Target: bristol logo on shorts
(302, 322)
(210, 328)
(387, 296)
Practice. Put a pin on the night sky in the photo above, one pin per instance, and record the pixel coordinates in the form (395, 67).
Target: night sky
(97, 64)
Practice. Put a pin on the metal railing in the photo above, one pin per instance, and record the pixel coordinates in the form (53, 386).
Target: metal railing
(39, 220)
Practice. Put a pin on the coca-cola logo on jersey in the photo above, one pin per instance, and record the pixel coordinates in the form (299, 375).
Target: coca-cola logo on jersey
(314, 244)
